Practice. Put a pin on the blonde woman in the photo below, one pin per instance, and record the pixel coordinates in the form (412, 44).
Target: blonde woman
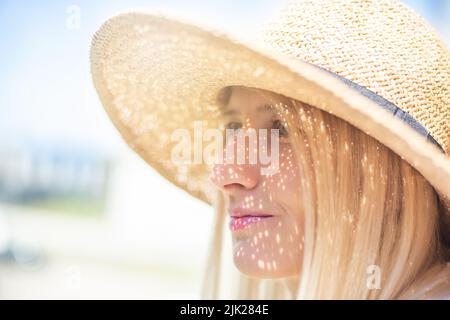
(347, 103)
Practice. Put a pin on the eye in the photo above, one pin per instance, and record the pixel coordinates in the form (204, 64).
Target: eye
(278, 124)
(235, 125)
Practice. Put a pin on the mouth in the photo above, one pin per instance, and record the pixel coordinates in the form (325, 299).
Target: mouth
(238, 223)
(241, 219)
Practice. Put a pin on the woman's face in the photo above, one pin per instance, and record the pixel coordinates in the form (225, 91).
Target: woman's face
(265, 211)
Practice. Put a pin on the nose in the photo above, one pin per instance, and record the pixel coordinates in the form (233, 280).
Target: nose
(231, 176)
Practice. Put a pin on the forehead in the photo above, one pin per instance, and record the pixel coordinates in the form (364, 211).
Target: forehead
(248, 94)
(238, 99)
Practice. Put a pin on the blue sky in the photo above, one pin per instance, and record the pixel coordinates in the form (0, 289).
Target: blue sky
(46, 92)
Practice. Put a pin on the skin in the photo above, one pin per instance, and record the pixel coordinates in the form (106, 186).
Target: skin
(272, 247)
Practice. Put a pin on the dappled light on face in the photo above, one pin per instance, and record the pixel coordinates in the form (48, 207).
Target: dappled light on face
(327, 202)
(264, 210)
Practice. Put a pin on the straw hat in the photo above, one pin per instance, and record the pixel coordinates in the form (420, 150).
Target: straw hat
(374, 63)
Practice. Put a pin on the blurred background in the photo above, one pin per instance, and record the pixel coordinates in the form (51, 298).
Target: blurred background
(81, 216)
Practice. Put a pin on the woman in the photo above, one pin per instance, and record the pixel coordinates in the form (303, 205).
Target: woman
(371, 209)
(356, 202)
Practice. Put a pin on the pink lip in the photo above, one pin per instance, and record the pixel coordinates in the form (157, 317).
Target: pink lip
(241, 218)
(237, 223)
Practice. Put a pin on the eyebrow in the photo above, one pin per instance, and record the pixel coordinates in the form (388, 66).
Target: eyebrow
(263, 108)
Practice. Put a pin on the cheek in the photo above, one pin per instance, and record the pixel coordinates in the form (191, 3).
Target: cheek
(289, 176)
(284, 186)
(277, 253)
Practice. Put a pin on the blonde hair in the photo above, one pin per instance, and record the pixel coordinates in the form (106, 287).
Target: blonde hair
(366, 210)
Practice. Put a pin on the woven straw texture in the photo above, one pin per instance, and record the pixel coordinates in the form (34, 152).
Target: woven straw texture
(381, 45)
(155, 75)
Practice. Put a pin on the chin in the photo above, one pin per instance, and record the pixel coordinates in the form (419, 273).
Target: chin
(266, 260)
(259, 267)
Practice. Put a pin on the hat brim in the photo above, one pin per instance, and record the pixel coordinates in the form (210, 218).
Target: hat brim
(155, 75)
